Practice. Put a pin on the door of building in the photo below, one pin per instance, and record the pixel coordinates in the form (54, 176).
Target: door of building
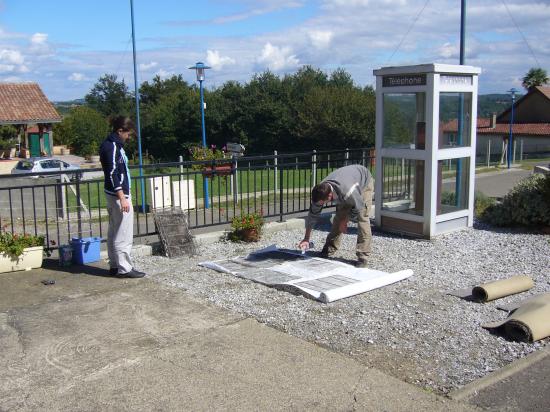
(35, 147)
(34, 144)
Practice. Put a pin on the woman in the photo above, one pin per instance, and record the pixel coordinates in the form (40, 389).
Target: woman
(119, 202)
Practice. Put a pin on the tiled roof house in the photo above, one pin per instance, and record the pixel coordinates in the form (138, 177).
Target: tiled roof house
(24, 105)
(530, 127)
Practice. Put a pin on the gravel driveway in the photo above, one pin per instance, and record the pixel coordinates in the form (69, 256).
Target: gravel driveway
(411, 329)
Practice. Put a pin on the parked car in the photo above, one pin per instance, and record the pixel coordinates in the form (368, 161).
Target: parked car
(45, 164)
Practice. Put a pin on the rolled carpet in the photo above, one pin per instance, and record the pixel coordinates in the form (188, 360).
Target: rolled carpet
(528, 323)
(500, 288)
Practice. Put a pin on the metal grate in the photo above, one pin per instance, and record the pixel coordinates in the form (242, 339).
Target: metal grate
(173, 229)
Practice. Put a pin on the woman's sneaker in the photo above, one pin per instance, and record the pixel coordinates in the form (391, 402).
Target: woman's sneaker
(132, 274)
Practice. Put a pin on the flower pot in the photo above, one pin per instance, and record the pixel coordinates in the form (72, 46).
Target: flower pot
(218, 170)
(93, 159)
(249, 235)
(30, 259)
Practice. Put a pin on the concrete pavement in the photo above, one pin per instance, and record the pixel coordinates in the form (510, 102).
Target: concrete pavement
(91, 342)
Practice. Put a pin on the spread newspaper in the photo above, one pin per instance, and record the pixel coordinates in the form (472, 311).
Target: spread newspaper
(322, 279)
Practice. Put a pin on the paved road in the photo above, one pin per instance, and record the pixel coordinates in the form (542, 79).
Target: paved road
(497, 184)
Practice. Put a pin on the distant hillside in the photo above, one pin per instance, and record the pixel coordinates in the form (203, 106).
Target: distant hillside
(64, 107)
(487, 104)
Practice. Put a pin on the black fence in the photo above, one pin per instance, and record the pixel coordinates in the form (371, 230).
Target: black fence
(63, 206)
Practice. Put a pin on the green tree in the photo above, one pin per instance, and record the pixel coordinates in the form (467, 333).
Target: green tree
(268, 117)
(151, 92)
(225, 115)
(341, 78)
(536, 76)
(336, 117)
(8, 136)
(110, 97)
(86, 128)
(172, 123)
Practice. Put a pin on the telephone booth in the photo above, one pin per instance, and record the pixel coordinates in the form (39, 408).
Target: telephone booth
(425, 148)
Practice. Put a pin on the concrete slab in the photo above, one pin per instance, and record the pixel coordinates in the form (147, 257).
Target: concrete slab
(524, 385)
(92, 342)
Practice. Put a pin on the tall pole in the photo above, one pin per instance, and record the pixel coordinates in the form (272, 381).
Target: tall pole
(205, 179)
(460, 130)
(462, 30)
(136, 92)
(511, 137)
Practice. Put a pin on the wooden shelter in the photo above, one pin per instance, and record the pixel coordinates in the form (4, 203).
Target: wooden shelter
(24, 105)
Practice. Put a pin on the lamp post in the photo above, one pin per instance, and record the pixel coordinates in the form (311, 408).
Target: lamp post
(200, 69)
(512, 92)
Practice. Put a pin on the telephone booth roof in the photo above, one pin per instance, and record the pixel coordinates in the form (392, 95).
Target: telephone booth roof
(428, 68)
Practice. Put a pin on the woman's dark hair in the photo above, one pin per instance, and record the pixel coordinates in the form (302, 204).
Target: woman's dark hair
(122, 122)
(320, 192)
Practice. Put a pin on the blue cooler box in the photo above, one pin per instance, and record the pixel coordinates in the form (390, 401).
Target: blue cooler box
(86, 249)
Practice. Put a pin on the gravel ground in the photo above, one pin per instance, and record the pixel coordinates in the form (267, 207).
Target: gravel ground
(411, 329)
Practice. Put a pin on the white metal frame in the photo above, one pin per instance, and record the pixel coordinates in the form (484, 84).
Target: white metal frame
(431, 153)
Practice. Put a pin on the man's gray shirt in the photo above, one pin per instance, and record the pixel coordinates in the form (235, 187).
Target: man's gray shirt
(348, 184)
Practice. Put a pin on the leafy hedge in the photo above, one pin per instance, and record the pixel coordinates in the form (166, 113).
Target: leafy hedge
(527, 204)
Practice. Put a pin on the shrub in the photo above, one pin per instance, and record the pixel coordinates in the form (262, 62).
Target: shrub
(527, 204)
(481, 203)
(13, 244)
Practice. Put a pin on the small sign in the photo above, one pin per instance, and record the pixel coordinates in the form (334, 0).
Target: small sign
(455, 80)
(235, 148)
(404, 80)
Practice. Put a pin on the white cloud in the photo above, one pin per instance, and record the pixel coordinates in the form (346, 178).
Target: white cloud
(217, 62)
(39, 38)
(12, 79)
(164, 74)
(277, 58)
(77, 77)
(148, 66)
(320, 39)
(39, 45)
(12, 61)
(448, 50)
(11, 56)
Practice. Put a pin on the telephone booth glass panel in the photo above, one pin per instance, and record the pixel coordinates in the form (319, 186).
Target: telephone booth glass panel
(453, 185)
(454, 120)
(403, 185)
(404, 120)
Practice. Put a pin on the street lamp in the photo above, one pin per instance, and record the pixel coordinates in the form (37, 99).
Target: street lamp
(200, 69)
(512, 92)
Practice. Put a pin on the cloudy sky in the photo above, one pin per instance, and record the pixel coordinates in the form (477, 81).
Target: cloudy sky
(65, 46)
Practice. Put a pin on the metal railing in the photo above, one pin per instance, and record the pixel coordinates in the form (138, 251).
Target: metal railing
(63, 206)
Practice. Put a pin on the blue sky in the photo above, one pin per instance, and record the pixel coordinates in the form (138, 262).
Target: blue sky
(65, 46)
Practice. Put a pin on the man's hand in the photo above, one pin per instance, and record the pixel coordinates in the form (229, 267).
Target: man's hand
(344, 225)
(303, 245)
(124, 205)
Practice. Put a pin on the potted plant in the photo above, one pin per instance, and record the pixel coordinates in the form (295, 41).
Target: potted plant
(247, 227)
(20, 252)
(213, 155)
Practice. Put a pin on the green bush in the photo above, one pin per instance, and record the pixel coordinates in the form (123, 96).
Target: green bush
(527, 204)
(13, 244)
(481, 203)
